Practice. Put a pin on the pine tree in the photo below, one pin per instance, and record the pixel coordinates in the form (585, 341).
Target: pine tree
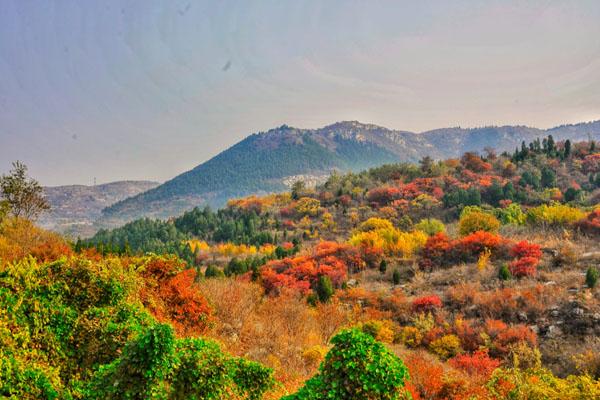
(591, 277)
(383, 266)
(396, 277)
(324, 288)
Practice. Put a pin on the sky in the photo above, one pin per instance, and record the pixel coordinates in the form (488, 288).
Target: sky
(147, 89)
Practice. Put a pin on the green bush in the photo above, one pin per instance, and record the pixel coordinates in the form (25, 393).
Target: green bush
(324, 289)
(357, 367)
(158, 366)
(591, 277)
(504, 273)
(477, 221)
(213, 271)
(430, 226)
(396, 277)
(383, 267)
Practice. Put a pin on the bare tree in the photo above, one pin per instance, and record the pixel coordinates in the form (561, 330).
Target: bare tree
(22, 195)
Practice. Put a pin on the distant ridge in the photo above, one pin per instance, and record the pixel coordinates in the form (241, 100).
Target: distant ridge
(74, 208)
(270, 161)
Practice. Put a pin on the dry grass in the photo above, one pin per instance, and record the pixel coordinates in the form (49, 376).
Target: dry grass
(282, 332)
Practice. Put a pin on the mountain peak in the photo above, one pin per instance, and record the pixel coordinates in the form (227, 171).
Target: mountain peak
(265, 162)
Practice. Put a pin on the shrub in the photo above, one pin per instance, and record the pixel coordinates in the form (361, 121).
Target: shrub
(554, 214)
(511, 214)
(307, 206)
(435, 251)
(523, 267)
(356, 367)
(477, 221)
(410, 336)
(213, 271)
(373, 224)
(380, 330)
(591, 277)
(473, 245)
(504, 273)
(430, 226)
(478, 363)
(324, 289)
(396, 277)
(426, 303)
(383, 267)
(526, 249)
(591, 223)
(157, 365)
(446, 347)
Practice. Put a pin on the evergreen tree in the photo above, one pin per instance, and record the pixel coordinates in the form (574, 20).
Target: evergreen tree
(591, 277)
(548, 179)
(396, 277)
(504, 273)
(324, 288)
(383, 266)
(509, 191)
(567, 151)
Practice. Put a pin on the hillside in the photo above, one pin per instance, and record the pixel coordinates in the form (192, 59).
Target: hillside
(74, 208)
(479, 273)
(271, 161)
(470, 278)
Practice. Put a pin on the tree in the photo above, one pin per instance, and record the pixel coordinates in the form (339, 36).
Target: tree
(324, 288)
(298, 188)
(504, 273)
(383, 266)
(357, 367)
(509, 191)
(572, 194)
(477, 221)
(396, 277)
(548, 178)
(591, 277)
(23, 195)
(567, 151)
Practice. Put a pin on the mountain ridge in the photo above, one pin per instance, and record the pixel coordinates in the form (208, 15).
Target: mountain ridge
(263, 161)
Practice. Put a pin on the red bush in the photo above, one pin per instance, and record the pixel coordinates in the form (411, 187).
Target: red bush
(301, 273)
(591, 223)
(514, 335)
(435, 251)
(478, 363)
(472, 245)
(383, 195)
(524, 266)
(526, 249)
(426, 303)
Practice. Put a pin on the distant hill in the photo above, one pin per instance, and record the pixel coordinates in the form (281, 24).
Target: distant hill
(74, 208)
(271, 161)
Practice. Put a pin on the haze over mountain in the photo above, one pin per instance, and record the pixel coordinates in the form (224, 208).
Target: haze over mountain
(271, 161)
(74, 208)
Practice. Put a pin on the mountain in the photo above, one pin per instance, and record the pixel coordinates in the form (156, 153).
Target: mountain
(74, 208)
(271, 161)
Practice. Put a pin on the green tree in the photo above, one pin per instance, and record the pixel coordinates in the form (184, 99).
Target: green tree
(396, 277)
(504, 273)
(324, 289)
(567, 150)
(383, 266)
(357, 367)
(22, 195)
(298, 188)
(548, 179)
(213, 271)
(591, 277)
(528, 178)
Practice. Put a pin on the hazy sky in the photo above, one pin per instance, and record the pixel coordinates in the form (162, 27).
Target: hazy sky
(147, 89)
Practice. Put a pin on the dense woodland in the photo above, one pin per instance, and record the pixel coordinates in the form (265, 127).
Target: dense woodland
(470, 278)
